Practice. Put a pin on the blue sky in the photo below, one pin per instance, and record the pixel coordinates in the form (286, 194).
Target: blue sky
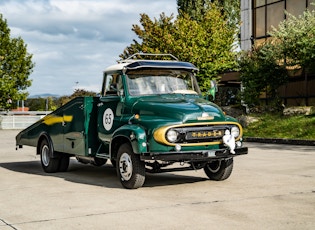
(73, 41)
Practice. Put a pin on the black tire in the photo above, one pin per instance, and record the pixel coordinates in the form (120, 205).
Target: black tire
(130, 169)
(64, 162)
(219, 170)
(99, 161)
(50, 165)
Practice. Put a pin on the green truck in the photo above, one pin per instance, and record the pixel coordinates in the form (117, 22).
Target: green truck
(150, 118)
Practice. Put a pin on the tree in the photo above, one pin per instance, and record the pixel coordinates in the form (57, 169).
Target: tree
(207, 43)
(77, 93)
(41, 104)
(261, 71)
(265, 67)
(15, 67)
(196, 9)
(53, 103)
(295, 37)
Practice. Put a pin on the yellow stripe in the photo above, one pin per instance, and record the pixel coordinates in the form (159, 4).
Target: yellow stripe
(52, 119)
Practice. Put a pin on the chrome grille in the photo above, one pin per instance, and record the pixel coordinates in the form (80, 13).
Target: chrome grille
(196, 134)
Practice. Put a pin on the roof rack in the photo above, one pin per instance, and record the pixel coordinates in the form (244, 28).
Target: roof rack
(137, 55)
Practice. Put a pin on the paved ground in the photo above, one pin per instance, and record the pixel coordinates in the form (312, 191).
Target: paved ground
(271, 188)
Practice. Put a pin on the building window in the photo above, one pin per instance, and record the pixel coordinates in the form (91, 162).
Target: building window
(259, 3)
(268, 13)
(296, 7)
(275, 14)
(260, 22)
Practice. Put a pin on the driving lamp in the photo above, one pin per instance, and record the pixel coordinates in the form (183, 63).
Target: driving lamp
(171, 135)
(235, 131)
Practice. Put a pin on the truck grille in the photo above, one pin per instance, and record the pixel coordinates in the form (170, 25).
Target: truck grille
(200, 134)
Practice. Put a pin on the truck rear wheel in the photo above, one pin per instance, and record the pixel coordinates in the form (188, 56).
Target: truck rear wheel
(219, 170)
(64, 162)
(130, 169)
(49, 164)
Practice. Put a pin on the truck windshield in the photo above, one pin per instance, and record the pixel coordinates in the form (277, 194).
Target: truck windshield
(150, 82)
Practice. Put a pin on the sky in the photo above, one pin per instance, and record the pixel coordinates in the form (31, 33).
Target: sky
(73, 41)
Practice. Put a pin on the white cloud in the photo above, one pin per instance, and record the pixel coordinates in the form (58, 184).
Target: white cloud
(75, 40)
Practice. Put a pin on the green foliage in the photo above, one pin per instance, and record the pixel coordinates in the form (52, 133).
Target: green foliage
(53, 103)
(261, 72)
(232, 11)
(42, 104)
(196, 9)
(295, 37)
(15, 67)
(278, 126)
(208, 43)
(292, 45)
(77, 93)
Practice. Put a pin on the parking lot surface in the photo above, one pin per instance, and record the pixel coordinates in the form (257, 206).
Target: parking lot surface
(273, 187)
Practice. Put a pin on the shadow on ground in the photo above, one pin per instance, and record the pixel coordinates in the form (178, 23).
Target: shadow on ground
(99, 176)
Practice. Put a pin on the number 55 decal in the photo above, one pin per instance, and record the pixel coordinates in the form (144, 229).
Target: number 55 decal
(108, 119)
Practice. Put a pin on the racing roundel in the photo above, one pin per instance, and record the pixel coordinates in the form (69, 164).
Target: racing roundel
(108, 119)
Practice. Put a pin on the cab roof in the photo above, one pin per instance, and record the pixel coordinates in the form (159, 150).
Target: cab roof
(133, 64)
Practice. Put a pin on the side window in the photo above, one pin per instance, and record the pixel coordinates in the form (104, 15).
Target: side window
(112, 84)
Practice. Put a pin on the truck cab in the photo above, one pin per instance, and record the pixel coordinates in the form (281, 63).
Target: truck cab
(150, 118)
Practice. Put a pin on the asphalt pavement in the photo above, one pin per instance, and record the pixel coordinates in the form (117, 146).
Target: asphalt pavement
(273, 187)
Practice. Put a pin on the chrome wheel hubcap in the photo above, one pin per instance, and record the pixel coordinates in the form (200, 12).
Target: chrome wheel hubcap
(125, 167)
(45, 155)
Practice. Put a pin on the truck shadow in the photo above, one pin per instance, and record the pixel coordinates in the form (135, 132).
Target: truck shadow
(104, 176)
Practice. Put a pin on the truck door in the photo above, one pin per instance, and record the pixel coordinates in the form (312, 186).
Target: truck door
(110, 109)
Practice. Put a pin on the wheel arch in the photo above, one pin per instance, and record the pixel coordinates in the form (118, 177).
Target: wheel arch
(116, 143)
(42, 137)
(132, 134)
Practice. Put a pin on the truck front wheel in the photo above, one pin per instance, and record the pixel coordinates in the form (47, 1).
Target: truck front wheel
(219, 169)
(130, 169)
(50, 165)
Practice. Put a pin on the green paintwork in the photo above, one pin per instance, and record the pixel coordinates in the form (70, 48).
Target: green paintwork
(71, 128)
(136, 135)
(96, 126)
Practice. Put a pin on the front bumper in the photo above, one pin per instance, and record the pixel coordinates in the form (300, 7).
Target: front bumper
(205, 155)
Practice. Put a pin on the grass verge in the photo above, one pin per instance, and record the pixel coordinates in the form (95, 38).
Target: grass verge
(279, 126)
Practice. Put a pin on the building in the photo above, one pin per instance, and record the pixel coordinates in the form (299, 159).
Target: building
(258, 17)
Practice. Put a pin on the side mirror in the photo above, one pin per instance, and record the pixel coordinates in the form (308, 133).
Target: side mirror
(212, 91)
(121, 95)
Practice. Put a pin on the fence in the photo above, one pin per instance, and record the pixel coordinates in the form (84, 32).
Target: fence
(19, 120)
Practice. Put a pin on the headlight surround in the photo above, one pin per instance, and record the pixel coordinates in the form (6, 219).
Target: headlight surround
(171, 135)
(235, 131)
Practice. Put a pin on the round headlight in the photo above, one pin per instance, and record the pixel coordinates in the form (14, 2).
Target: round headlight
(235, 131)
(171, 135)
